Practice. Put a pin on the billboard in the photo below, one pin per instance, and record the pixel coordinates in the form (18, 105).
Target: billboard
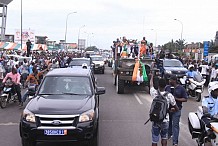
(206, 47)
(9, 38)
(81, 45)
(27, 34)
(6, 2)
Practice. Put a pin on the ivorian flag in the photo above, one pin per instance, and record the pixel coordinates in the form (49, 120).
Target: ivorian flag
(139, 72)
(144, 74)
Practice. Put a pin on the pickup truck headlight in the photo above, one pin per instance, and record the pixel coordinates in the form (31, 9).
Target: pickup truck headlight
(87, 116)
(168, 72)
(28, 116)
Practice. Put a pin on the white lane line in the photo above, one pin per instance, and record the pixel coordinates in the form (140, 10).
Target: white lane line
(137, 98)
(9, 124)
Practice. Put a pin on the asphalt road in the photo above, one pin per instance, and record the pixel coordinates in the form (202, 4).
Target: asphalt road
(122, 118)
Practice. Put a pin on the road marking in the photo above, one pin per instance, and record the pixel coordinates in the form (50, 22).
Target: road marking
(137, 98)
(9, 124)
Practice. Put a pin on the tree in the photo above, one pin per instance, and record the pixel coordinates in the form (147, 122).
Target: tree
(180, 44)
(170, 46)
(92, 48)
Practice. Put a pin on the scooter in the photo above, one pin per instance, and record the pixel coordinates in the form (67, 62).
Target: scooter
(31, 91)
(203, 135)
(8, 95)
(194, 86)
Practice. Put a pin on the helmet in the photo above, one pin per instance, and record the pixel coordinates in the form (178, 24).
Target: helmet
(212, 86)
(84, 65)
(190, 66)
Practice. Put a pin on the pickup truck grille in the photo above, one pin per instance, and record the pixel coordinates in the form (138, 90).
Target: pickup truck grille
(52, 121)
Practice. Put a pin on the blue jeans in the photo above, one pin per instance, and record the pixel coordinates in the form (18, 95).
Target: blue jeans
(174, 126)
(159, 130)
(25, 96)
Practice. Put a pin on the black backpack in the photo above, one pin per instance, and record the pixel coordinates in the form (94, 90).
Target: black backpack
(159, 108)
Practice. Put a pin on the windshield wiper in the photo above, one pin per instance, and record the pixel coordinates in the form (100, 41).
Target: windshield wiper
(45, 94)
(68, 93)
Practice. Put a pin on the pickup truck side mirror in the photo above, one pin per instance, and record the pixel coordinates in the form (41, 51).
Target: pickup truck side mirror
(100, 90)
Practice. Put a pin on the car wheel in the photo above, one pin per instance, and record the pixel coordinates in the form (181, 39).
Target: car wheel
(95, 140)
(119, 85)
(27, 142)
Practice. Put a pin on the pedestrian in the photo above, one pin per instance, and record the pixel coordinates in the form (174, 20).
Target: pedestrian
(160, 129)
(214, 72)
(28, 44)
(205, 72)
(180, 96)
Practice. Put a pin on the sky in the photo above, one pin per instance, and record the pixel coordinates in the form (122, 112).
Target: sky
(106, 20)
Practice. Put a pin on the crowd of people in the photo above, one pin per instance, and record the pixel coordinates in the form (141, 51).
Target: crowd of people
(169, 128)
(30, 71)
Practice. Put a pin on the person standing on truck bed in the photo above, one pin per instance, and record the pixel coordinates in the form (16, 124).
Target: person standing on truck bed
(143, 47)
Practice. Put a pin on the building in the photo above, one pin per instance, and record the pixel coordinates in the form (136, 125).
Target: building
(216, 39)
(3, 17)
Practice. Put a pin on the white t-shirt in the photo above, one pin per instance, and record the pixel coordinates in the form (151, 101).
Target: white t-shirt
(204, 69)
(213, 73)
(170, 100)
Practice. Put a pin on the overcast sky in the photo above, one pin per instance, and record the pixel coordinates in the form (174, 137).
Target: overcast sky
(110, 19)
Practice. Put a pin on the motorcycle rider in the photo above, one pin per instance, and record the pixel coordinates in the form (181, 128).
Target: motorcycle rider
(209, 104)
(15, 76)
(191, 73)
(33, 80)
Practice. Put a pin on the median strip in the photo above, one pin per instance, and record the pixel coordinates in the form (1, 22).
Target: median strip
(9, 124)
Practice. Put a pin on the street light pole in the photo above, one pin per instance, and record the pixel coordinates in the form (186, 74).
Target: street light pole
(21, 24)
(65, 38)
(78, 37)
(88, 38)
(181, 31)
(181, 25)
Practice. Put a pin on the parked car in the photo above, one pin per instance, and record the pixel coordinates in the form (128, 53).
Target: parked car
(98, 62)
(65, 108)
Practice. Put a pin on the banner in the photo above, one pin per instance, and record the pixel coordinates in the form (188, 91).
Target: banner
(26, 34)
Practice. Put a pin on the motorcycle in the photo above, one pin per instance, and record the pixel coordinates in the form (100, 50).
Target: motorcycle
(203, 135)
(8, 95)
(194, 86)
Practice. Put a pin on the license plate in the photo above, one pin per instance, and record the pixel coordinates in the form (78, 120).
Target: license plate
(55, 132)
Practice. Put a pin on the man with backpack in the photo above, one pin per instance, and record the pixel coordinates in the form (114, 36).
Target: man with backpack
(159, 111)
(180, 95)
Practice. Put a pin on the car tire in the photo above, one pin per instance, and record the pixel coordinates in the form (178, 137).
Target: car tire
(27, 142)
(120, 86)
(95, 140)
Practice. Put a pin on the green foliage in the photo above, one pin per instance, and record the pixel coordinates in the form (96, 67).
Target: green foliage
(176, 46)
(92, 48)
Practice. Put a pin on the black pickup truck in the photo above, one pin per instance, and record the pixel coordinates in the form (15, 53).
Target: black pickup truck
(65, 109)
(169, 67)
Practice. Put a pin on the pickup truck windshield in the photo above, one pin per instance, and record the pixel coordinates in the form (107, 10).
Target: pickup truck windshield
(79, 62)
(97, 59)
(70, 85)
(172, 63)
